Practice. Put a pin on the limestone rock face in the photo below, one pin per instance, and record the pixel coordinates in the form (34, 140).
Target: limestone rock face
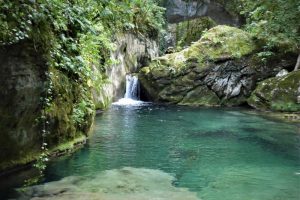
(219, 69)
(277, 93)
(131, 54)
(180, 10)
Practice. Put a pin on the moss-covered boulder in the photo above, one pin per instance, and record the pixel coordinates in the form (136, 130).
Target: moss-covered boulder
(219, 43)
(278, 93)
(219, 69)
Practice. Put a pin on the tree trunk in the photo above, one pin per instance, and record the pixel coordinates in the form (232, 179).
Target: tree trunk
(297, 64)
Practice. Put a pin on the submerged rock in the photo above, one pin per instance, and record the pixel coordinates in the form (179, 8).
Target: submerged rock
(118, 184)
(277, 94)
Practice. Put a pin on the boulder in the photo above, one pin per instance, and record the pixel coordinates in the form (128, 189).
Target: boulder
(282, 73)
(277, 93)
(219, 69)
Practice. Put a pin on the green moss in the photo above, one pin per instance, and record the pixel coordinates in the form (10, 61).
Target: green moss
(170, 77)
(104, 104)
(68, 146)
(201, 96)
(277, 94)
(71, 110)
(219, 43)
(29, 157)
(191, 30)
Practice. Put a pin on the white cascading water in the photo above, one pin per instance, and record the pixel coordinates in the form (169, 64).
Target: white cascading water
(132, 87)
(132, 93)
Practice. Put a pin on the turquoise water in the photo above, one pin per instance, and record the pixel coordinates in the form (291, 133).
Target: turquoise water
(194, 153)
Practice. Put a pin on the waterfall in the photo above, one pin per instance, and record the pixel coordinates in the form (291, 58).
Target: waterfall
(132, 93)
(132, 88)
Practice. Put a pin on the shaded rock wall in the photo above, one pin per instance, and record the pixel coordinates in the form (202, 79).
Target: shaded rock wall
(188, 19)
(22, 72)
(23, 85)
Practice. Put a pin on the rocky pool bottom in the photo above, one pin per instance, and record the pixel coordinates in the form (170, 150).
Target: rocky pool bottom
(159, 152)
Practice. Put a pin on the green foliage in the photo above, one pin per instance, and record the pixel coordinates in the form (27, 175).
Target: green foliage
(76, 34)
(147, 17)
(76, 37)
(81, 110)
(191, 30)
(276, 23)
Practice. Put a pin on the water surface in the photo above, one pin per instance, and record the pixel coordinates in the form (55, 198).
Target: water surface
(199, 153)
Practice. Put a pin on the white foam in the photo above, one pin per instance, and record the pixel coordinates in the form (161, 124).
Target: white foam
(129, 102)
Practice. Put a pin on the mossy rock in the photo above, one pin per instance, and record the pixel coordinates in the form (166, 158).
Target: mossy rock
(220, 43)
(173, 77)
(201, 96)
(191, 30)
(277, 94)
(217, 44)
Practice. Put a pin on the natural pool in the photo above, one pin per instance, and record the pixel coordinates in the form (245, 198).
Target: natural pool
(179, 153)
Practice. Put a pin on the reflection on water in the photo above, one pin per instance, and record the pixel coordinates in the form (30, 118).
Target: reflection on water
(217, 154)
